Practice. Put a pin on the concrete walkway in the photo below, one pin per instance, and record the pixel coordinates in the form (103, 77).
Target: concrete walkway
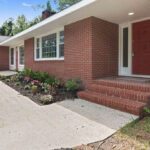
(25, 125)
(7, 73)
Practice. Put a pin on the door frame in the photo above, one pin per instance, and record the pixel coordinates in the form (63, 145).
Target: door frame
(127, 71)
(16, 51)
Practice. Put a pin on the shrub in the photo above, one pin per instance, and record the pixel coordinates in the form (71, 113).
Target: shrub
(13, 78)
(7, 80)
(34, 89)
(41, 76)
(17, 83)
(27, 87)
(60, 82)
(51, 80)
(3, 77)
(73, 85)
(20, 75)
(29, 73)
(146, 109)
(45, 87)
(46, 99)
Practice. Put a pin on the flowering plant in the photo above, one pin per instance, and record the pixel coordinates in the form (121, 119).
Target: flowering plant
(35, 82)
(27, 79)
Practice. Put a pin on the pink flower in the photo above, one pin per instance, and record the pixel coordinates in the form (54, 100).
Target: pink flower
(27, 79)
(35, 82)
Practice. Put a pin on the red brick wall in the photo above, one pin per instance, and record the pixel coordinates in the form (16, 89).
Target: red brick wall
(91, 51)
(4, 58)
(78, 50)
(104, 48)
(52, 67)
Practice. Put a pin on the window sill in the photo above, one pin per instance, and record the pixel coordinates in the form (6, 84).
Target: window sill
(49, 59)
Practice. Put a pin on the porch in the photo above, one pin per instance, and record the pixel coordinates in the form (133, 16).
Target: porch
(128, 94)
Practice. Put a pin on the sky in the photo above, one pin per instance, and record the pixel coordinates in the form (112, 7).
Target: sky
(14, 8)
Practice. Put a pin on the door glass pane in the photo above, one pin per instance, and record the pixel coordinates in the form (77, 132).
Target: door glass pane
(125, 47)
(21, 55)
(12, 56)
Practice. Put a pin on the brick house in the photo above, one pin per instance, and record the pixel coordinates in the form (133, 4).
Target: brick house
(92, 39)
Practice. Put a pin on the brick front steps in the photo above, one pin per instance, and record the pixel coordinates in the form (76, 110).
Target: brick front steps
(122, 95)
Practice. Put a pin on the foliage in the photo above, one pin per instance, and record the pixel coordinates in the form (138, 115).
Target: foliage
(41, 76)
(17, 83)
(27, 79)
(146, 109)
(73, 85)
(27, 87)
(13, 78)
(21, 75)
(62, 4)
(7, 27)
(45, 87)
(2, 77)
(10, 28)
(34, 89)
(46, 99)
(7, 80)
(60, 82)
(35, 82)
(52, 80)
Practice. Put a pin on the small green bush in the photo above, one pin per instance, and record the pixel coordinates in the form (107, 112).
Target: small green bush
(73, 85)
(146, 109)
(51, 80)
(27, 87)
(34, 89)
(17, 83)
(45, 87)
(7, 80)
(13, 78)
(46, 99)
(3, 77)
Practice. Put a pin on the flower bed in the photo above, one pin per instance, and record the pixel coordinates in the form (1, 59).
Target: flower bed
(41, 87)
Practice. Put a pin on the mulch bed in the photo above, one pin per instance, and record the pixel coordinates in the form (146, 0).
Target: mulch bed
(60, 95)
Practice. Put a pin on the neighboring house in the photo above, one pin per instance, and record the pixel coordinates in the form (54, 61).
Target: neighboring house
(92, 39)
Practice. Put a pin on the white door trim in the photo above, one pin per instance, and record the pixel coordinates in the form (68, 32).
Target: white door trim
(128, 72)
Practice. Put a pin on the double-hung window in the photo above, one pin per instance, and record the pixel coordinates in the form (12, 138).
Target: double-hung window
(50, 47)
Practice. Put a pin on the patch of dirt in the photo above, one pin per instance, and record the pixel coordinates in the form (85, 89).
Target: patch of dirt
(60, 95)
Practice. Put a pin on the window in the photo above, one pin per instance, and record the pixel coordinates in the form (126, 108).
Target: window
(12, 56)
(21, 55)
(50, 47)
(61, 44)
(125, 47)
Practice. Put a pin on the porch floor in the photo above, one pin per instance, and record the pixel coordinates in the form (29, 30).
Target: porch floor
(7, 73)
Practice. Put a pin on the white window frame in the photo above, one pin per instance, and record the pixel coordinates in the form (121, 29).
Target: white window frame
(57, 46)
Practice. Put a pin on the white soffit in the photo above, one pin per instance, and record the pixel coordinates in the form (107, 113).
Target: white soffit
(115, 11)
